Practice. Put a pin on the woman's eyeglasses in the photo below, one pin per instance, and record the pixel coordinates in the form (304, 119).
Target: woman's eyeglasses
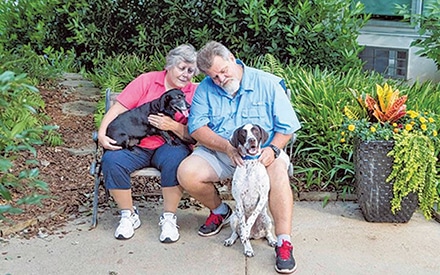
(187, 70)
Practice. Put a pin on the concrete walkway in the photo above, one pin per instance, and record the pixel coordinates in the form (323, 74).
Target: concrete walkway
(331, 240)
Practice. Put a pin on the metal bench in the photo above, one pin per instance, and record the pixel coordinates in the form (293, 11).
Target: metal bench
(96, 172)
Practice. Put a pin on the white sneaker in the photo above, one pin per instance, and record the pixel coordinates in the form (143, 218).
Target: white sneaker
(127, 224)
(170, 230)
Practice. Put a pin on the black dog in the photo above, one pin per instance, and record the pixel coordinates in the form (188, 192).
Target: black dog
(128, 128)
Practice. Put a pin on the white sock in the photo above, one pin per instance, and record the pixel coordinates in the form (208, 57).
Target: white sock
(125, 213)
(222, 209)
(168, 214)
(282, 237)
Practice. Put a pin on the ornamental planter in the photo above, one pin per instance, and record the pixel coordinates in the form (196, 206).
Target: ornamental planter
(374, 194)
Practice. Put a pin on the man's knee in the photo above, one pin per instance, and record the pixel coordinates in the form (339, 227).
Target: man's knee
(184, 170)
(193, 169)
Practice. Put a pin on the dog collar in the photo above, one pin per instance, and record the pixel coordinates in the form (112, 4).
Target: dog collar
(250, 157)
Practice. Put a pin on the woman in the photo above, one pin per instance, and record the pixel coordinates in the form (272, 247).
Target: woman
(118, 163)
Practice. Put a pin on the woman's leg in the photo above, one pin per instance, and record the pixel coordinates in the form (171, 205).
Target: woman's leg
(167, 158)
(117, 167)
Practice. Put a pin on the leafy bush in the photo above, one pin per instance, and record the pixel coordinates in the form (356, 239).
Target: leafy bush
(39, 68)
(305, 32)
(22, 128)
(428, 25)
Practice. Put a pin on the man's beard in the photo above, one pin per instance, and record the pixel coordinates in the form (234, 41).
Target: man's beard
(232, 86)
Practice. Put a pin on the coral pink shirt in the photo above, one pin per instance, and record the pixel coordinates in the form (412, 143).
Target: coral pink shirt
(145, 88)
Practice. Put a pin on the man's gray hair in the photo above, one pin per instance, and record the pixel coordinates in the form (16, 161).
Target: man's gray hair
(183, 53)
(206, 55)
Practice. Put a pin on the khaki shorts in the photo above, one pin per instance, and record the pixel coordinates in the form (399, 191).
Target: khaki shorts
(222, 164)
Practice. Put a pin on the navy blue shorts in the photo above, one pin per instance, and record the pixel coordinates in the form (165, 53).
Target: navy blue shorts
(118, 165)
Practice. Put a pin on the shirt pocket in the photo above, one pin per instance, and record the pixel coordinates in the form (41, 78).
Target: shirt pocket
(254, 112)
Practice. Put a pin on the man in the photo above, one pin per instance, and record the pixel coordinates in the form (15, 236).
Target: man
(231, 95)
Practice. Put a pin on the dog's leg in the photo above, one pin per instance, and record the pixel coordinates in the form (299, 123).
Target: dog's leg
(247, 226)
(234, 226)
(245, 234)
(248, 250)
(240, 226)
(267, 222)
(262, 202)
(168, 138)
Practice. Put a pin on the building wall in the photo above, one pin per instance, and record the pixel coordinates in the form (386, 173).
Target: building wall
(419, 68)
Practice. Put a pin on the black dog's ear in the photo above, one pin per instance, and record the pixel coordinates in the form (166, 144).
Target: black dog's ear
(164, 101)
(264, 134)
(234, 139)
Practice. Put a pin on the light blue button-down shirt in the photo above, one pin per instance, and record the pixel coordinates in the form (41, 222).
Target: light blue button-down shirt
(261, 100)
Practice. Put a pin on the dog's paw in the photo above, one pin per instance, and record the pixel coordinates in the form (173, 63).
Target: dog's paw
(174, 142)
(271, 240)
(229, 242)
(249, 253)
(272, 243)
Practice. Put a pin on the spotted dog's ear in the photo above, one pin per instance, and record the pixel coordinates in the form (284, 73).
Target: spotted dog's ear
(234, 139)
(264, 134)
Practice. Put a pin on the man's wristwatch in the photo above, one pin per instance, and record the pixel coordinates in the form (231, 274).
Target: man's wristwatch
(275, 149)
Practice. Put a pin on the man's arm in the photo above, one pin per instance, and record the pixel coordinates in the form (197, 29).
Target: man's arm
(267, 154)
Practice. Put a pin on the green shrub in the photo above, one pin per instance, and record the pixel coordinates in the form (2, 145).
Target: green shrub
(428, 25)
(318, 96)
(305, 32)
(39, 68)
(21, 129)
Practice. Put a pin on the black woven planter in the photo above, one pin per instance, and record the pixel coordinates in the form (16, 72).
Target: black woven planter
(372, 167)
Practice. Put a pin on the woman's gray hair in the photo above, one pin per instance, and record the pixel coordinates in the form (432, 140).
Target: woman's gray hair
(206, 55)
(183, 53)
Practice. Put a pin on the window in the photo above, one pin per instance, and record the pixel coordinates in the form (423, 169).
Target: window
(387, 61)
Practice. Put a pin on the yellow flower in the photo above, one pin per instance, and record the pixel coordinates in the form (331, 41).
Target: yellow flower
(372, 129)
(408, 127)
(342, 133)
(351, 127)
(422, 119)
(412, 114)
(396, 130)
(423, 127)
(431, 120)
(434, 133)
(342, 140)
(394, 124)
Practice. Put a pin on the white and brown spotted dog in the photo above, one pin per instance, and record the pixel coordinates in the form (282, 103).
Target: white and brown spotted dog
(250, 189)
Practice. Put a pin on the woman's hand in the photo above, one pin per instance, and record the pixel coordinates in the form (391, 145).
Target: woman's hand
(107, 142)
(162, 122)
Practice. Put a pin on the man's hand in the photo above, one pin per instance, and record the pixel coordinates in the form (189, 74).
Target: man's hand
(267, 156)
(233, 154)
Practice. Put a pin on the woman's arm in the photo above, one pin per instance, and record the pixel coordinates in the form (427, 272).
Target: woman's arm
(111, 114)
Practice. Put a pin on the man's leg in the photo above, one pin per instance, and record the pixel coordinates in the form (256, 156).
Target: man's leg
(280, 198)
(281, 208)
(197, 176)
